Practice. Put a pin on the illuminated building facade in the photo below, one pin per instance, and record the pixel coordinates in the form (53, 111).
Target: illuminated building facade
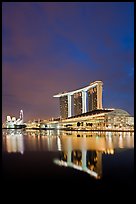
(105, 119)
(89, 113)
(64, 106)
(91, 93)
(95, 97)
(78, 103)
(15, 123)
(92, 99)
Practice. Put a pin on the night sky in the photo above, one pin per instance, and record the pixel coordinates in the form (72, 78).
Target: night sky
(49, 48)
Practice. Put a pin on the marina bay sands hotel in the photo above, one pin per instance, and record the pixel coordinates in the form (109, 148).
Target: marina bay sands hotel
(81, 100)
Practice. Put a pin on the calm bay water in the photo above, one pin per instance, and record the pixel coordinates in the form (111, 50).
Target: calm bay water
(99, 161)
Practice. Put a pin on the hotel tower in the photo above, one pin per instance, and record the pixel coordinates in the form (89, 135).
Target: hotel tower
(85, 100)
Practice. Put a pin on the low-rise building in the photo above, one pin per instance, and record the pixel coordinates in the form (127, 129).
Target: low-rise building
(115, 119)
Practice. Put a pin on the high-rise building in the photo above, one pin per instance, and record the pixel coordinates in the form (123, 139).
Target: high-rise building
(95, 97)
(78, 103)
(64, 106)
(85, 99)
(92, 99)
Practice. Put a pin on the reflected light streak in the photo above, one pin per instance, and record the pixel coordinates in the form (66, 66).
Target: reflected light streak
(14, 142)
(59, 143)
(120, 141)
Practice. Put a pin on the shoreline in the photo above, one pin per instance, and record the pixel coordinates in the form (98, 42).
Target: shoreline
(67, 129)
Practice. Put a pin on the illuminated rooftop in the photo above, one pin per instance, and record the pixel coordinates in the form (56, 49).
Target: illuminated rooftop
(119, 112)
(93, 112)
(93, 84)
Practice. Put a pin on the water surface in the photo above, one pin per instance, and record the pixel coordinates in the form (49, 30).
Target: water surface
(100, 161)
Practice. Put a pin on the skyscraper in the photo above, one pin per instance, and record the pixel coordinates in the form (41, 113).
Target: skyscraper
(92, 99)
(91, 94)
(64, 106)
(78, 103)
(95, 97)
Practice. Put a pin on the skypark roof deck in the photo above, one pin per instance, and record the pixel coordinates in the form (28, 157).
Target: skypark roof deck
(93, 84)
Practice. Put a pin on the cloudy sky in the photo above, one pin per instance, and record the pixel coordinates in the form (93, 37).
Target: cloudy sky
(49, 48)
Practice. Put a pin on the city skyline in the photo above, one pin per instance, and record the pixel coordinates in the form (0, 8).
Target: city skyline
(51, 47)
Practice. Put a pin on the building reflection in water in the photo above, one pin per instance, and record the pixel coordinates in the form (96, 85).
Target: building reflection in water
(79, 150)
(84, 151)
(13, 141)
(87, 161)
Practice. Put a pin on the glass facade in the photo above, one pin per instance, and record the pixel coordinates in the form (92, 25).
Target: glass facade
(78, 103)
(86, 99)
(64, 106)
(92, 99)
(117, 119)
